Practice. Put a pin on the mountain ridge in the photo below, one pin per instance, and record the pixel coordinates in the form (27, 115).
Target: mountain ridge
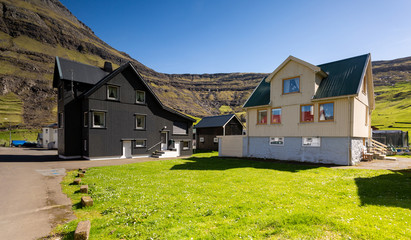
(33, 32)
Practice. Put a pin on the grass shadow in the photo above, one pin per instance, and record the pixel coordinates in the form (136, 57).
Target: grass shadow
(219, 163)
(393, 189)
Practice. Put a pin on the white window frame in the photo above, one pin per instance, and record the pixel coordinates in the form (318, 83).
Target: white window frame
(108, 92)
(277, 141)
(215, 140)
(144, 123)
(144, 98)
(104, 119)
(144, 145)
(201, 139)
(311, 141)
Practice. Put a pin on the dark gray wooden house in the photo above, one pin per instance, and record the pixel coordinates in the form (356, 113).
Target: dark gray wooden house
(114, 114)
(209, 128)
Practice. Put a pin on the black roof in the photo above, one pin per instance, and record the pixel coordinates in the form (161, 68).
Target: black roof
(214, 121)
(98, 77)
(78, 72)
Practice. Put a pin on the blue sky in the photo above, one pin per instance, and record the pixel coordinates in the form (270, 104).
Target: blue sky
(215, 36)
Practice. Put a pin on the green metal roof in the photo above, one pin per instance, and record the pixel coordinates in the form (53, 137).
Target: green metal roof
(344, 78)
(260, 96)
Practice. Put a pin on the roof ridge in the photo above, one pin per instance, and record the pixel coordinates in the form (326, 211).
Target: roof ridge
(88, 65)
(350, 58)
(220, 115)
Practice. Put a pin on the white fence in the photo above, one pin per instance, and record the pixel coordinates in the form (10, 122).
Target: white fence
(230, 146)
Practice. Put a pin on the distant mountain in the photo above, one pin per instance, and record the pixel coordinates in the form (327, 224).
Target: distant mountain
(33, 32)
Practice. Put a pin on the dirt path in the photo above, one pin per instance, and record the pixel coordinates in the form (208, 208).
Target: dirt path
(400, 164)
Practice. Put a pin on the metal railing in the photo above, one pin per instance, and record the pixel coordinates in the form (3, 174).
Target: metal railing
(153, 146)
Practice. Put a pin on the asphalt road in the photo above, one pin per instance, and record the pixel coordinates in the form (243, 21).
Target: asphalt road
(31, 201)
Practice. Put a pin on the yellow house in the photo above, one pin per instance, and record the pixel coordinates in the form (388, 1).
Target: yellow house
(303, 112)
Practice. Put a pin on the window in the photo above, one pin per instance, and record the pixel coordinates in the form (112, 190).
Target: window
(140, 96)
(140, 121)
(326, 112)
(307, 113)
(291, 85)
(85, 120)
(202, 139)
(364, 85)
(215, 140)
(180, 128)
(311, 142)
(277, 141)
(113, 92)
(276, 115)
(99, 119)
(140, 143)
(85, 145)
(186, 145)
(47, 131)
(61, 120)
(262, 117)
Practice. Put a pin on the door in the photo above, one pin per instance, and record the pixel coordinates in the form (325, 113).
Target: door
(164, 141)
(126, 149)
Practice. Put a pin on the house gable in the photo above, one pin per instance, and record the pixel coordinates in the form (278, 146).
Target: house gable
(128, 75)
(306, 79)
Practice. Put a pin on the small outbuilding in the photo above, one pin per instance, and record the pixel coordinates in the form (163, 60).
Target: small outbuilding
(396, 138)
(209, 128)
(48, 137)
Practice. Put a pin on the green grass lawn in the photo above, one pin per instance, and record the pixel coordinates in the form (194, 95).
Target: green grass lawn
(206, 197)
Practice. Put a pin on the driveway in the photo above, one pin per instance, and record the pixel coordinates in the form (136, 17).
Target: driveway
(31, 201)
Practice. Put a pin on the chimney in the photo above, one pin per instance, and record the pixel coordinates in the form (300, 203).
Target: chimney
(108, 67)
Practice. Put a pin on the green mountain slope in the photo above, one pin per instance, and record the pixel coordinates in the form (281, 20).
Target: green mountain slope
(33, 32)
(393, 107)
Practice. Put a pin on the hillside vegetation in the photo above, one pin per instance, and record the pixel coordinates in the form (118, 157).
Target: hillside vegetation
(393, 107)
(33, 32)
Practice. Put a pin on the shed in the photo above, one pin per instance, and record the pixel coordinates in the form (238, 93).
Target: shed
(209, 128)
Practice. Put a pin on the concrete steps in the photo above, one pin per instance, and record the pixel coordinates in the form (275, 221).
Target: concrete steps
(164, 154)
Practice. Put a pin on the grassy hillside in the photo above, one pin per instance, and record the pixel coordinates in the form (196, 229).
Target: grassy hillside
(11, 108)
(393, 107)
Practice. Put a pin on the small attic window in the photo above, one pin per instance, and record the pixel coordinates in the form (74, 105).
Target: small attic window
(291, 85)
(140, 96)
(113, 92)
